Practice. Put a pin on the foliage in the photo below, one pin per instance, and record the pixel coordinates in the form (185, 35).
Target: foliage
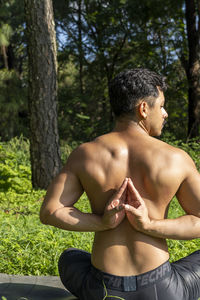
(5, 33)
(15, 173)
(13, 71)
(102, 38)
(30, 248)
(176, 102)
(13, 108)
(96, 40)
(27, 246)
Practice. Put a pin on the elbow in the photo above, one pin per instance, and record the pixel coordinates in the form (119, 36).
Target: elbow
(45, 217)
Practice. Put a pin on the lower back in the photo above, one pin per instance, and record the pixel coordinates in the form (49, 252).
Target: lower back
(124, 252)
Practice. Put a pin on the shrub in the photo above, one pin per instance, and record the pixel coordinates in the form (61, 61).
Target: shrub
(27, 246)
(15, 172)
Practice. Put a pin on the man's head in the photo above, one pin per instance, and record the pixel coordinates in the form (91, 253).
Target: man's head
(137, 95)
(129, 87)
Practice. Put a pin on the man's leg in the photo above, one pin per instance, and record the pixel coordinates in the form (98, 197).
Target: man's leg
(74, 265)
(189, 270)
(182, 281)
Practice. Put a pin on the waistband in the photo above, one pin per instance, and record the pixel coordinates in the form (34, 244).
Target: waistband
(132, 283)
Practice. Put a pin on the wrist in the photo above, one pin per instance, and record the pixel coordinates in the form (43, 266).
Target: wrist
(101, 224)
(153, 228)
(148, 226)
(105, 225)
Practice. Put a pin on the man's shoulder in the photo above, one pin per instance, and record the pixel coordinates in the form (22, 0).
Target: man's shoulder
(89, 151)
(81, 152)
(166, 147)
(173, 154)
(168, 165)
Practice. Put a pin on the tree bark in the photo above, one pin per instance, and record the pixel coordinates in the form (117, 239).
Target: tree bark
(80, 46)
(5, 57)
(44, 138)
(193, 72)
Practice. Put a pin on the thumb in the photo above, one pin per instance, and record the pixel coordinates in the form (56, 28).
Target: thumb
(130, 208)
(115, 207)
(114, 203)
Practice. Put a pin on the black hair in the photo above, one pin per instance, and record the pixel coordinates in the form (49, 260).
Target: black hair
(130, 86)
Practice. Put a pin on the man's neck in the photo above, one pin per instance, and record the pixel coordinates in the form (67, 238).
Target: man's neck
(130, 126)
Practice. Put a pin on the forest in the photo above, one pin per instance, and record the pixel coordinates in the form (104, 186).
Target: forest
(58, 57)
(95, 40)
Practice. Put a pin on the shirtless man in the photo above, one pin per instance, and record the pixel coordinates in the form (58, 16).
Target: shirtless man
(129, 258)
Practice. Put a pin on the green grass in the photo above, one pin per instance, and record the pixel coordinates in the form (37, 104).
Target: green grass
(26, 246)
(179, 249)
(29, 247)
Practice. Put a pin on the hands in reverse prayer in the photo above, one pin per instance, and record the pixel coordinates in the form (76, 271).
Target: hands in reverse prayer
(126, 201)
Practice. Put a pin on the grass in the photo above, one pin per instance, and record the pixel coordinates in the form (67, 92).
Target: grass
(179, 249)
(27, 247)
(30, 248)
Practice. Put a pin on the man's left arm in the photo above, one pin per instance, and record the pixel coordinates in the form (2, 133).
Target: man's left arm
(185, 227)
(65, 190)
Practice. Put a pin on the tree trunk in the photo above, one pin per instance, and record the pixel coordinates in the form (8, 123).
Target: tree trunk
(44, 139)
(193, 72)
(5, 57)
(80, 46)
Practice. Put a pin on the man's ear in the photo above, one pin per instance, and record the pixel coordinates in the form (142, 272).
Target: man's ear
(143, 109)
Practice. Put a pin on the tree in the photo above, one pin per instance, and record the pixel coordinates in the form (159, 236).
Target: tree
(192, 14)
(104, 37)
(5, 33)
(95, 36)
(44, 139)
(13, 66)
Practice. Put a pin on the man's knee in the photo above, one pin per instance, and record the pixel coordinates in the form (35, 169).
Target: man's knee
(64, 259)
(74, 258)
(73, 266)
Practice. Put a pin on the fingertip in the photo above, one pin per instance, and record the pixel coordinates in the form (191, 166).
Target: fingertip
(115, 202)
(126, 180)
(124, 183)
(127, 206)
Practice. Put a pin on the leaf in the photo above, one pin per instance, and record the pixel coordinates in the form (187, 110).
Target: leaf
(83, 117)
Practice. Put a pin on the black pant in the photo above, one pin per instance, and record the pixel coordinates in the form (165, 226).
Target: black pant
(176, 281)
